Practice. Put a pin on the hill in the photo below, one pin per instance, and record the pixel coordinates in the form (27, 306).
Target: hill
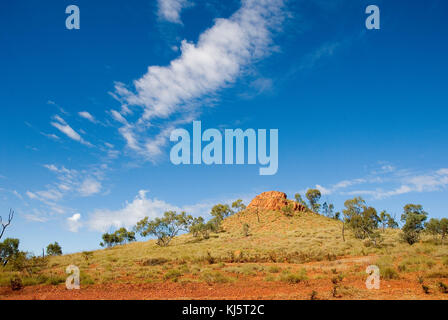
(295, 254)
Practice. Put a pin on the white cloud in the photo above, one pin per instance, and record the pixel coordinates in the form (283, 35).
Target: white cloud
(31, 195)
(50, 135)
(51, 167)
(220, 56)
(87, 115)
(141, 207)
(51, 194)
(398, 182)
(35, 218)
(118, 117)
(338, 186)
(170, 10)
(74, 222)
(69, 183)
(323, 191)
(89, 187)
(17, 194)
(62, 126)
(326, 50)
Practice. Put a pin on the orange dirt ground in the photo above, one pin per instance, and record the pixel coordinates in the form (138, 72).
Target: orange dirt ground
(351, 289)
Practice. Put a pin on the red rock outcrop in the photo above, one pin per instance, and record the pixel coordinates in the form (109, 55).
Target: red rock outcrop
(273, 200)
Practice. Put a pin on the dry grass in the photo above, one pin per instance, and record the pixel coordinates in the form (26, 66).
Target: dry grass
(279, 248)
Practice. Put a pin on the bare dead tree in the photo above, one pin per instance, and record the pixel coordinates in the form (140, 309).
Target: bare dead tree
(4, 225)
(258, 216)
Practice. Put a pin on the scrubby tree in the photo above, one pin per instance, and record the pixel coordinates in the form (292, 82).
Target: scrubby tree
(300, 200)
(238, 205)
(437, 227)
(9, 249)
(108, 240)
(125, 236)
(200, 228)
(4, 225)
(413, 217)
(433, 227)
(219, 213)
(120, 236)
(328, 210)
(337, 216)
(165, 228)
(313, 196)
(361, 219)
(54, 249)
(386, 220)
(443, 228)
(288, 210)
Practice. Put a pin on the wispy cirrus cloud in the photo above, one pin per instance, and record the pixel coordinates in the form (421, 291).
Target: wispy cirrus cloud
(219, 57)
(63, 127)
(170, 10)
(69, 183)
(388, 182)
(87, 115)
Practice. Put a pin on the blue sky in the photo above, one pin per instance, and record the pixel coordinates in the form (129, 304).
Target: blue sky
(86, 114)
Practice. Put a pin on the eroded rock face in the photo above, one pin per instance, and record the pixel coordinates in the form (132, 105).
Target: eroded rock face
(273, 200)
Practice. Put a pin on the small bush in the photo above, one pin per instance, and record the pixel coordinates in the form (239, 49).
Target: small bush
(215, 277)
(438, 274)
(154, 262)
(209, 258)
(86, 279)
(173, 275)
(295, 277)
(87, 255)
(445, 261)
(16, 283)
(313, 295)
(269, 278)
(274, 269)
(425, 289)
(442, 287)
(246, 230)
(288, 210)
(389, 273)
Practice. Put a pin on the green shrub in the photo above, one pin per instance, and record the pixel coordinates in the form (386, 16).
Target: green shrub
(274, 269)
(445, 261)
(55, 280)
(85, 279)
(313, 295)
(389, 273)
(173, 275)
(295, 277)
(154, 262)
(16, 283)
(215, 277)
(442, 287)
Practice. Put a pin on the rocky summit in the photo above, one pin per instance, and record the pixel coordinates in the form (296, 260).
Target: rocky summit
(273, 200)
